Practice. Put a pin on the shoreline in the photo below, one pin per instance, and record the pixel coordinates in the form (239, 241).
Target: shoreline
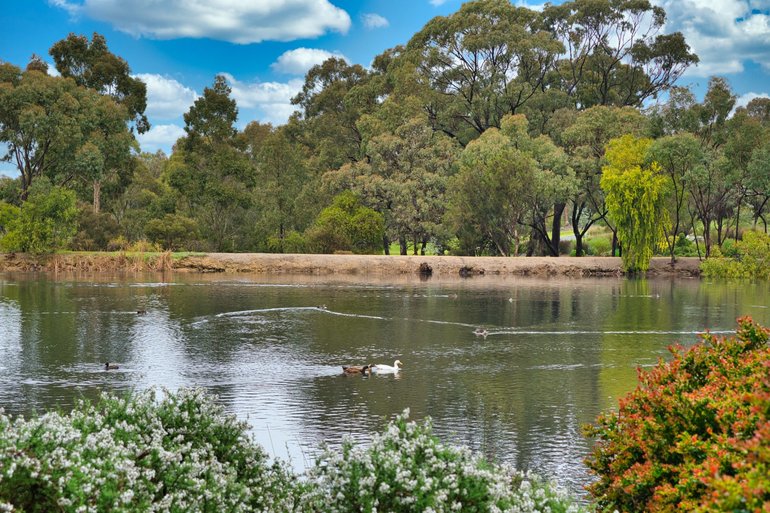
(329, 265)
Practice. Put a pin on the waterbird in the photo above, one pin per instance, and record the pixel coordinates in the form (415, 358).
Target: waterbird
(481, 332)
(387, 369)
(356, 369)
(141, 311)
(111, 366)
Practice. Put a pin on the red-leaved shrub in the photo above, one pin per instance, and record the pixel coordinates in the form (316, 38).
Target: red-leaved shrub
(694, 435)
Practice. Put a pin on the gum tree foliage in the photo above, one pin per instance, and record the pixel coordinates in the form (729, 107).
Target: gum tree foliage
(677, 155)
(507, 179)
(584, 136)
(92, 65)
(54, 128)
(213, 177)
(482, 62)
(404, 175)
(281, 175)
(614, 51)
(635, 195)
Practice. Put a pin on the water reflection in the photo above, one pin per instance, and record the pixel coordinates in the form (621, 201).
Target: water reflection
(557, 352)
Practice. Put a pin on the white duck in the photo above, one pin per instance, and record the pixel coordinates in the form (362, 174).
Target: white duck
(387, 369)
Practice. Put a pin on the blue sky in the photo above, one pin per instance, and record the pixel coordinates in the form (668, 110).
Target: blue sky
(266, 46)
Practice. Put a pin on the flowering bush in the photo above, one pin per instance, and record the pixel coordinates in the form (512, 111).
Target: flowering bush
(406, 469)
(694, 435)
(177, 453)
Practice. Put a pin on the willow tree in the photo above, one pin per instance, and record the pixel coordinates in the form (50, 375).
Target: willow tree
(635, 195)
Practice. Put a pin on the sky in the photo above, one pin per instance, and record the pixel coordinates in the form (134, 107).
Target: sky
(264, 47)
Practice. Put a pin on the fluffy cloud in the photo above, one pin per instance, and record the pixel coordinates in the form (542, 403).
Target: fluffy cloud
(270, 100)
(437, 2)
(298, 61)
(166, 98)
(237, 21)
(744, 99)
(372, 21)
(160, 137)
(724, 33)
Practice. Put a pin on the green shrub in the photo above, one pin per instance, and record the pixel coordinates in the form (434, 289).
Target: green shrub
(694, 435)
(172, 232)
(47, 221)
(177, 453)
(346, 225)
(598, 246)
(751, 260)
(685, 247)
(293, 242)
(406, 469)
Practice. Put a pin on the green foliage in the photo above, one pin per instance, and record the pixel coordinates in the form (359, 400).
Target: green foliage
(407, 469)
(172, 231)
(694, 435)
(685, 247)
(747, 259)
(635, 198)
(599, 246)
(346, 225)
(292, 242)
(46, 222)
(95, 230)
(8, 214)
(179, 452)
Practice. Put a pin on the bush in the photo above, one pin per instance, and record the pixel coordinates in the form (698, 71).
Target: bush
(172, 232)
(406, 469)
(598, 246)
(346, 225)
(751, 260)
(694, 435)
(96, 230)
(178, 453)
(685, 247)
(47, 221)
(293, 242)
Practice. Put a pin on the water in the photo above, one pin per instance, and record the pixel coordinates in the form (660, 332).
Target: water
(559, 351)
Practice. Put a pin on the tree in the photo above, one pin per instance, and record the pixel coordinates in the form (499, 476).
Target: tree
(53, 127)
(677, 155)
(635, 196)
(405, 173)
(614, 53)
(585, 139)
(481, 63)
(212, 174)
(346, 225)
(92, 65)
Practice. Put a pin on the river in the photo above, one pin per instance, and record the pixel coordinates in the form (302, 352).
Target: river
(558, 351)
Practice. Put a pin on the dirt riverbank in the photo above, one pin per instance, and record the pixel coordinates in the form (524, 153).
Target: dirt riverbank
(375, 265)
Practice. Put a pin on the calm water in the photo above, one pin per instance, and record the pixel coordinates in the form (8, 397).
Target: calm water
(559, 351)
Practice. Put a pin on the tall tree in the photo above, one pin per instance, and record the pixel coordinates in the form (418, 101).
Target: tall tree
(614, 51)
(92, 65)
(211, 172)
(53, 127)
(482, 62)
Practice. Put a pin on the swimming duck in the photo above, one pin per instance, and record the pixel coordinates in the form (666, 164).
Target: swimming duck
(111, 366)
(356, 369)
(387, 369)
(481, 332)
(141, 312)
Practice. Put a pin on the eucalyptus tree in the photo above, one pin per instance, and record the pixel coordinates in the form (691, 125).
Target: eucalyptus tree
(614, 51)
(585, 139)
(55, 128)
(213, 176)
(482, 62)
(677, 157)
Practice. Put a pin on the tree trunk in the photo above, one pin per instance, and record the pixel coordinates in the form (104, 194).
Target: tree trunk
(402, 244)
(615, 244)
(97, 196)
(386, 244)
(423, 246)
(558, 210)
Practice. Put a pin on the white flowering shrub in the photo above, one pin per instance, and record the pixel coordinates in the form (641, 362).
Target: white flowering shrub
(180, 452)
(406, 469)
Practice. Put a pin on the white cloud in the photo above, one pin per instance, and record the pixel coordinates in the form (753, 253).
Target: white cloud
(299, 60)
(271, 100)
(437, 2)
(373, 20)
(166, 97)
(160, 137)
(724, 33)
(236, 21)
